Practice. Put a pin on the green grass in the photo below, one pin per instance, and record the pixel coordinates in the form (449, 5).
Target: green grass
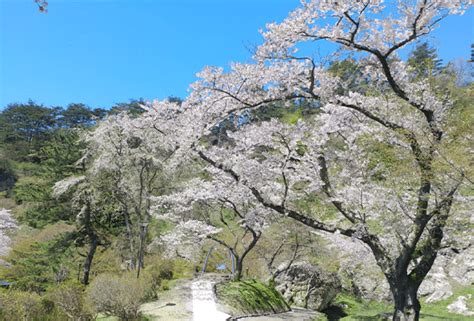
(250, 297)
(439, 311)
(372, 311)
(357, 310)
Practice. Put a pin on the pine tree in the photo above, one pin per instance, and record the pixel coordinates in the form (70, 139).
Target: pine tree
(424, 61)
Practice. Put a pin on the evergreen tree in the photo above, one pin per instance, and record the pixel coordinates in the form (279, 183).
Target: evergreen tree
(424, 61)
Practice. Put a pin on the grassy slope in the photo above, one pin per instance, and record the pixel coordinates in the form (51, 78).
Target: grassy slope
(250, 297)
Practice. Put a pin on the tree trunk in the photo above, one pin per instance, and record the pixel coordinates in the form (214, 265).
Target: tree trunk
(239, 267)
(90, 256)
(240, 259)
(93, 242)
(130, 239)
(140, 260)
(405, 295)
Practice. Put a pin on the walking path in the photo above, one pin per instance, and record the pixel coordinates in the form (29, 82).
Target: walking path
(193, 300)
(204, 304)
(173, 305)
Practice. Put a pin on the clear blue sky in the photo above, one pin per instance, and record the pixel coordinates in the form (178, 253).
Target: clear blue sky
(101, 52)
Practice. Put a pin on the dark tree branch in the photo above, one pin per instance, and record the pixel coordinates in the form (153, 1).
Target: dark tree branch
(324, 176)
(292, 260)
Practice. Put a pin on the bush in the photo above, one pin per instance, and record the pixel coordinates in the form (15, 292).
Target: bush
(27, 306)
(166, 268)
(156, 277)
(69, 298)
(118, 296)
(175, 269)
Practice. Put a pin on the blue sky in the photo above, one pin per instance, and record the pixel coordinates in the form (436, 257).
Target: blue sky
(100, 52)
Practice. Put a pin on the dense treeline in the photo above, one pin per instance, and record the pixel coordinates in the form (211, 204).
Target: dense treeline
(25, 128)
(41, 145)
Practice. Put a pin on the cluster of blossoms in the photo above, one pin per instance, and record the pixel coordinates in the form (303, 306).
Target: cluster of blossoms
(187, 238)
(132, 150)
(356, 24)
(218, 192)
(7, 223)
(124, 138)
(65, 185)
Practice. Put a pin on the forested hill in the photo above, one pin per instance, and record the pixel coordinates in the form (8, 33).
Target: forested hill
(38, 146)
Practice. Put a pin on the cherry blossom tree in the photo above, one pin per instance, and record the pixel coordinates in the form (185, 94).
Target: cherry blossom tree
(129, 151)
(122, 165)
(219, 210)
(121, 170)
(88, 202)
(7, 224)
(377, 156)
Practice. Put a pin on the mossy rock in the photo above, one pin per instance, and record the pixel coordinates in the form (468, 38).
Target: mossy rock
(249, 298)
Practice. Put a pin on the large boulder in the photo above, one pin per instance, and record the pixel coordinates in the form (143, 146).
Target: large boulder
(453, 267)
(308, 286)
(459, 306)
(357, 268)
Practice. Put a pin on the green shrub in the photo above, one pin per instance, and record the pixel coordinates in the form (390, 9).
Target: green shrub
(69, 298)
(160, 271)
(27, 306)
(36, 265)
(155, 275)
(119, 296)
(182, 268)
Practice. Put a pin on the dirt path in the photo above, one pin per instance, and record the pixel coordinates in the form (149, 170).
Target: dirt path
(173, 305)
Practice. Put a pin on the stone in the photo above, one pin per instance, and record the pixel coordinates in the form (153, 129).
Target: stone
(308, 286)
(358, 271)
(436, 286)
(459, 306)
(453, 266)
